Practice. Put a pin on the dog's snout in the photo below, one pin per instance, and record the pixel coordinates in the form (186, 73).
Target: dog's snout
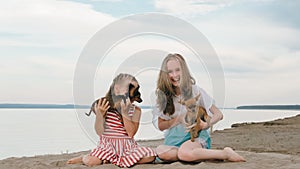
(192, 107)
(139, 100)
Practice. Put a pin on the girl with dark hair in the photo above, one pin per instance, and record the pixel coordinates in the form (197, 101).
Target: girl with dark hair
(116, 125)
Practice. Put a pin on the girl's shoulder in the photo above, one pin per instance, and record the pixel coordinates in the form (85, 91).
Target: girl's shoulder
(197, 89)
(136, 108)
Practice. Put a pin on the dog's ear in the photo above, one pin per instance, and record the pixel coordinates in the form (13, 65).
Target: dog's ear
(131, 86)
(137, 95)
(131, 89)
(197, 97)
(134, 94)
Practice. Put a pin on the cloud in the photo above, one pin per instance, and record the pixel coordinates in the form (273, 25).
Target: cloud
(259, 54)
(249, 43)
(40, 42)
(107, 0)
(52, 23)
(191, 7)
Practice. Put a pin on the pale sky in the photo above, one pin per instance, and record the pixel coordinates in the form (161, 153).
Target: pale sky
(256, 41)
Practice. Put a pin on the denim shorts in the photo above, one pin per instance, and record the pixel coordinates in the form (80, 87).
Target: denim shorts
(177, 135)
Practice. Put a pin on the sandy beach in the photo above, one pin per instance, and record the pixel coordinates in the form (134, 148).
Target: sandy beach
(265, 145)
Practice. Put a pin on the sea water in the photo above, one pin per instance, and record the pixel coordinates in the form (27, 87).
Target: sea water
(29, 132)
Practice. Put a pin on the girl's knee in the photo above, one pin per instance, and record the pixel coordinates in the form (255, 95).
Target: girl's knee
(165, 149)
(185, 155)
(150, 159)
(161, 149)
(164, 156)
(167, 153)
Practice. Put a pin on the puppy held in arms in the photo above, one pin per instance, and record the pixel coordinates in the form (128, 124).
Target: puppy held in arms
(193, 116)
(133, 94)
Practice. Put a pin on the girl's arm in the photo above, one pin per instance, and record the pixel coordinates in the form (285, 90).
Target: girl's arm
(166, 124)
(132, 124)
(217, 116)
(101, 108)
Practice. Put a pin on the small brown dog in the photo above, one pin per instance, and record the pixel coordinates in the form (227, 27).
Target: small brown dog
(193, 115)
(133, 94)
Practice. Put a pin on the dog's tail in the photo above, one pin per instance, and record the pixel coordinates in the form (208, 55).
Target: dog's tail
(89, 113)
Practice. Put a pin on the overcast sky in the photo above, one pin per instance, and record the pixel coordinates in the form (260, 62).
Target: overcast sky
(256, 41)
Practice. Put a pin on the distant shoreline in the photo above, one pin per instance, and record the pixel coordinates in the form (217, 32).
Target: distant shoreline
(41, 106)
(72, 106)
(272, 107)
(48, 106)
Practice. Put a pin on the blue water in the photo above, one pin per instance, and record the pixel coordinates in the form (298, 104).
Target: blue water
(29, 132)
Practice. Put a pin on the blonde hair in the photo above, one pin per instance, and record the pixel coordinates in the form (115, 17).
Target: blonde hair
(165, 90)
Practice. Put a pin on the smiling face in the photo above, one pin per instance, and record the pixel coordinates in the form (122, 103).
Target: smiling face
(174, 71)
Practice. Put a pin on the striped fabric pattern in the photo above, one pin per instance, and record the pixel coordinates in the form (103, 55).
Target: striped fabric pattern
(114, 126)
(117, 147)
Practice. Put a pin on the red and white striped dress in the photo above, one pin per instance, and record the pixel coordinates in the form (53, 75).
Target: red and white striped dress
(116, 146)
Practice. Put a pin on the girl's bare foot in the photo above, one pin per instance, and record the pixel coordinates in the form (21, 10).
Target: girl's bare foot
(233, 156)
(75, 160)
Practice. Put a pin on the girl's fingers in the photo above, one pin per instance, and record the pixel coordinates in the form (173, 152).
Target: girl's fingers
(102, 105)
(95, 106)
(191, 126)
(99, 103)
(122, 104)
(127, 101)
(103, 102)
(125, 106)
(106, 104)
(107, 108)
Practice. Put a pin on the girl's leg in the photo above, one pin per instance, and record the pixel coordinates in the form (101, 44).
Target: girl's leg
(86, 159)
(91, 160)
(147, 159)
(75, 160)
(193, 151)
(167, 153)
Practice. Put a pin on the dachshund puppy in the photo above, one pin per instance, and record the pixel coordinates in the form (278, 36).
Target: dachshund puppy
(133, 94)
(193, 115)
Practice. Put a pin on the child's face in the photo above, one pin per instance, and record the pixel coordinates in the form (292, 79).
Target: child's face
(174, 72)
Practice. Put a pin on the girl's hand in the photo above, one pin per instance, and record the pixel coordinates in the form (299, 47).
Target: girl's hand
(125, 106)
(101, 107)
(176, 120)
(202, 125)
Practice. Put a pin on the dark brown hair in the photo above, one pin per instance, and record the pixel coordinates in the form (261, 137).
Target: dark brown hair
(110, 95)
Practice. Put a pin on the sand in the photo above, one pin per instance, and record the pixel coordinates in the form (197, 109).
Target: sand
(274, 144)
